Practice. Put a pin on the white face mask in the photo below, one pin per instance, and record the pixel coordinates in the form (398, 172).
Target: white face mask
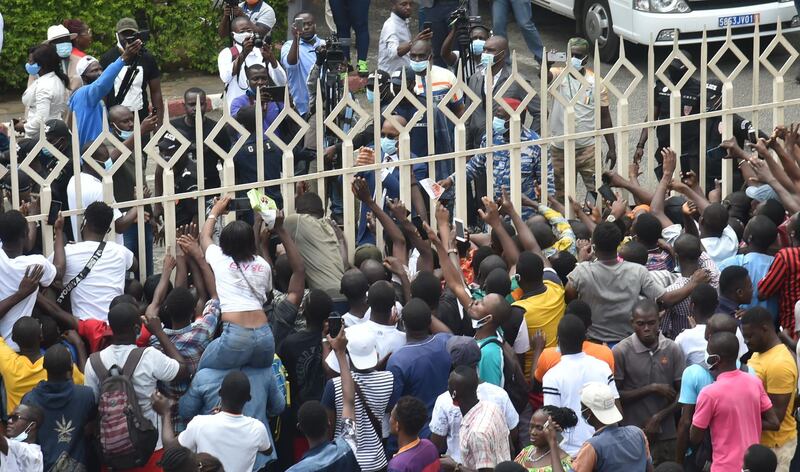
(240, 38)
(477, 324)
(23, 436)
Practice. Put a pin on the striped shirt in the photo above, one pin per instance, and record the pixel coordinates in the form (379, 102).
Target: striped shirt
(442, 80)
(483, 438)
(562, 386)
(783, 279)
(677, 318)
(377, 388)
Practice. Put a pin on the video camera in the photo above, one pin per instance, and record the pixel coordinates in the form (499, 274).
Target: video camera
(463, 23)
(259, 41)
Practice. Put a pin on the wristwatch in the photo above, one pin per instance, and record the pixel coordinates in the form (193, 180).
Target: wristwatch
(611, 219)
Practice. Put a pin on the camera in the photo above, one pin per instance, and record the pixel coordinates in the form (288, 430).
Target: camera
(143, 35)
(232, 3)
(258, 41)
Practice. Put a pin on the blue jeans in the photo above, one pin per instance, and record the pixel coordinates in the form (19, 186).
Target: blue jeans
(438, 15)
(240, 347)
(352, 14)
(524, 17)
(131, 239)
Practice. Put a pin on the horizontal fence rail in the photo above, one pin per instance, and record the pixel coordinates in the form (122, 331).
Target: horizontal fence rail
(327, 123)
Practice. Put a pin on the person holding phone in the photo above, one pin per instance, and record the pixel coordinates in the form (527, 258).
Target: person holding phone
(298, 57)
(396, 40)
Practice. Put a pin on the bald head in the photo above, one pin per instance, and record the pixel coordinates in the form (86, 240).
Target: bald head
(463, 382)
(725, 345)
(721, 323)
(420, 48)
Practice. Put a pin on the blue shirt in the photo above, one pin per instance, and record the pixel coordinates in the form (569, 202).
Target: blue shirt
(421, 369)
(757, 266)
(695, 378)
(334, 456)
(297, 74)
(265, 400)
(490, 367)
(87, 103)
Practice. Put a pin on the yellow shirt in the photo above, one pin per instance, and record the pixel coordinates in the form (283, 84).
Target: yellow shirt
(542, 313)
(20, 375)
(778, 372)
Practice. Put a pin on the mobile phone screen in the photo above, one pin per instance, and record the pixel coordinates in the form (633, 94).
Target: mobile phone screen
(334, 324)
(591, 199)
(52, 215)
(461, 234)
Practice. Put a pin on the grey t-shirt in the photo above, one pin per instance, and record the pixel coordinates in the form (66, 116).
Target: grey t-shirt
(319, 247)
(612, 290)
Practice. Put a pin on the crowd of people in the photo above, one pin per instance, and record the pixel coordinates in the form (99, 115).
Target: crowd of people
(654, 331)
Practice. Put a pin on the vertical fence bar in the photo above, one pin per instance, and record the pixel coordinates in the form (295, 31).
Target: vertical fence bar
(76, 170)
(489, 130)
(703, 107)
(544, 97)
(598, 140)
(376, 142)
(756, 116)
(319, 134)
(139, 179)
(201, 159)
(650, 153)
(429, 130)
(259, 136)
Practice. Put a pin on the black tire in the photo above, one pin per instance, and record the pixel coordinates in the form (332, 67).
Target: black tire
(597, 25)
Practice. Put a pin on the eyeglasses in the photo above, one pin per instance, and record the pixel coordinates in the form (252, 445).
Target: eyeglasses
(16, 417)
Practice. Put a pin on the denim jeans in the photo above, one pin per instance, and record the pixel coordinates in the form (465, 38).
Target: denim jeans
(438, 15)
(131, 240)
(239, 347)
(524, 17)
(352, 14)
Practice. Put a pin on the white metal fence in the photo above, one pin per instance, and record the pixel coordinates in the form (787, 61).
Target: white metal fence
(547, 93)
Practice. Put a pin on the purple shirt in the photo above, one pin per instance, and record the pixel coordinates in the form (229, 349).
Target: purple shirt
(419, 456)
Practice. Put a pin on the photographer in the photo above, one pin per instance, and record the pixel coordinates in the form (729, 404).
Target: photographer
(249, 48)
(141, 73)
(395, 40)
(257, 11)
(477, 34)
(298, 56)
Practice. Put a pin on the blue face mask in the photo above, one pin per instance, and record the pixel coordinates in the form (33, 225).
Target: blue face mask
(63, 50)
(499, 125)
(487, 59)
(21, 437)
(46, 152)
(32, 69)
(419, 66)
(477, 47)
(389, 146)
(108, 164)
(124, 135)
(370, 96)
(579, 63)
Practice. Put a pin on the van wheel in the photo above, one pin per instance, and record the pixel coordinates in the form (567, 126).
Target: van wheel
(598, 26)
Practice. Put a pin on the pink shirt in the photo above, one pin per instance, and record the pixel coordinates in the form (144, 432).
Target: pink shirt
(731, 407)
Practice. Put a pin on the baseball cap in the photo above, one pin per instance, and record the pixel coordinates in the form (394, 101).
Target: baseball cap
(168, 144)
(361, 349)
(599, 398)
(578, 42)
(761, 193)
(56, 128)
(83, 64)
(366, 251)
(57, 32)
(127, 24)
(463, 351)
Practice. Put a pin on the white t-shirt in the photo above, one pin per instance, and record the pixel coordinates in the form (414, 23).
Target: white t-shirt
(153, 366)
(235, 292)
(352, 320)
(233, 439)
(11, 272)
(387, 339)
(562, 386)
(91, 191)
(92, 296)
(446, 418)
(693, 343)
(22, 457)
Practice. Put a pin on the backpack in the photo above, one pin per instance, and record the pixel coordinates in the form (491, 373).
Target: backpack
(127, 437)
(514, 382)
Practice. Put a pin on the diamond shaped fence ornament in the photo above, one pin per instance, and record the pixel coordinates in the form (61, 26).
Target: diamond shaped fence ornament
(675, 54)
(516, 78)
(152, 146)
(286, 113)
(462, 89)
(61, 160)
(778, 39)
(388, 113)
(728, 45)
(346, 102)
(220, 128)
(568, 71)
(106, 135)
(622, 62)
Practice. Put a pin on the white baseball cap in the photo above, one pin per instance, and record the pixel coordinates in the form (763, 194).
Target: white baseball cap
(58, 32)
(83, 64)
(362, 351)
(599, 398)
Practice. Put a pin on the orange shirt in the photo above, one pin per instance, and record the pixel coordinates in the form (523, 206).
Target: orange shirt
(552, 356)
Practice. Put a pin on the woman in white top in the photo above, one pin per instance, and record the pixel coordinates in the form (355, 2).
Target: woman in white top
(46, 98)
(243, 279)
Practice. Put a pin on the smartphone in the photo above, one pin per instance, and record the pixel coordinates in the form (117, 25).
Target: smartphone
(606, 192)
(752, 136)
(52, 215)
(427, 25)
(554, 56)
(417, 220)
(590, 202)
(298, 24)
(334, 324)
(240, 204)
(276, 93)
(461, 234)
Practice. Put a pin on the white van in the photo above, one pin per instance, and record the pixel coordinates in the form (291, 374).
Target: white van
(637, 21)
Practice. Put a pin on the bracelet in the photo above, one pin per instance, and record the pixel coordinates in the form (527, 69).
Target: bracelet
(212, 216)
(452, 251)
(639, 146)
(325, 340)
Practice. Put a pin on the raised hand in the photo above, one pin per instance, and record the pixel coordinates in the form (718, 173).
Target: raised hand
(491, 214)
(361, 190)
(30, 281)
(669, 162)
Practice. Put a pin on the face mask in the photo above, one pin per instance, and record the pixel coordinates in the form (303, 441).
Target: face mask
(419, 66)
(370, 96)
(124, 135)
(32, 69)
(108, 164)
(499, 125)
(389, 146)
(239, 38)
(63, 50)
(477, 47)
(578, 62)
(23, 436)
(46, 152)
(711, 360)
(487, 59)
(477, 324)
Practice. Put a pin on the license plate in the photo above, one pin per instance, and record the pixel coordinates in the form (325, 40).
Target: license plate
(738, 20)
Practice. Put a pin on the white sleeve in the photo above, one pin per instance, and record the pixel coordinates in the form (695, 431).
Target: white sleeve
(551, 394)
(277, 74)
(439, 423)
(163, 367)
(49, 273)
(213, 254)
(671, 233)
(262, 437)
(188, 437)
(512, 417)
(90, 380)
(522, 343)
(41, 109)
(128, 257)
(23, 456)
(225, 66)
(267, 17)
